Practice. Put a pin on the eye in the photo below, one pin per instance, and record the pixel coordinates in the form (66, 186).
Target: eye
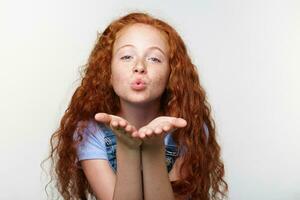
(127, 57)
(155, 59)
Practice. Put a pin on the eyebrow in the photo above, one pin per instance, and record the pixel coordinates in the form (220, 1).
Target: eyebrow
(130, 45)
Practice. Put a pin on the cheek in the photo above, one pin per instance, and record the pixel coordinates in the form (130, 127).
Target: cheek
(162, 80)
(118, 79)
(164, 75)
(118, 73)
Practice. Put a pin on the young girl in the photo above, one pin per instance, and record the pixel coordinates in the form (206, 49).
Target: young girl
(139, 125)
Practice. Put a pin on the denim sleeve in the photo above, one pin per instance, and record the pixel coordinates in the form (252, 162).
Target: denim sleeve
(92, 145)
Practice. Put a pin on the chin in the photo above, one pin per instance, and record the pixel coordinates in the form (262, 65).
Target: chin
(139, 101)
(145, 101)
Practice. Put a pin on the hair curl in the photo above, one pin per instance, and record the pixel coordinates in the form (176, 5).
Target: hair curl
(202, 170)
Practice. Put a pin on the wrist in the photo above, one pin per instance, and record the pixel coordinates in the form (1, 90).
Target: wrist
(153, 153)
(130, 146)
(153, 142)
(158, 147)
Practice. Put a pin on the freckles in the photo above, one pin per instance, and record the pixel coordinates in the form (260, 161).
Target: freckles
(118, 79)
(121, 81)
(162, 78)
(160, 82)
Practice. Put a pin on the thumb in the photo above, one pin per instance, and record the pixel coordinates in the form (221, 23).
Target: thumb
(180, 122)
(103, 117)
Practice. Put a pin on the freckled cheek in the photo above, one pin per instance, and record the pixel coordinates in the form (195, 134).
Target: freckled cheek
(160, 82)
(120, 79)
(120, 74)
(164, 75)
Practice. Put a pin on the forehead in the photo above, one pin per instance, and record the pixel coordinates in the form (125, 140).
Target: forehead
(141, 35)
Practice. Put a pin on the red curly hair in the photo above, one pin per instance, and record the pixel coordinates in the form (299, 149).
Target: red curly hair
(202, 170)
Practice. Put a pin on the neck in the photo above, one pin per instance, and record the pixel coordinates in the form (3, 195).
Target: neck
(139, 115)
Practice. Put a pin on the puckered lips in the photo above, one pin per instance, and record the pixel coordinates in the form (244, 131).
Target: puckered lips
(138, 84)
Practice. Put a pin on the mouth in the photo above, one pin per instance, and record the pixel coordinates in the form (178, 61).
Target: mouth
(138, 85)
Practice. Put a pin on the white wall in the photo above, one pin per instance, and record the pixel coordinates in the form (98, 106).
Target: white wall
(248, 55)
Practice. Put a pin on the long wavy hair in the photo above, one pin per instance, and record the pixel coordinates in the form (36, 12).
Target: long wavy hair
(202, 171)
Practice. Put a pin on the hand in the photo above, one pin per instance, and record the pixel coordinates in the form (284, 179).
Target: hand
(153, 133)
(121, 128)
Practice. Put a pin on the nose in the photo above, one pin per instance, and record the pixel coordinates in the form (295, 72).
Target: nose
(139, 68)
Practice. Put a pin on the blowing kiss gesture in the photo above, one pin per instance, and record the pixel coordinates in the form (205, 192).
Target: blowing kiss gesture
(150, 135)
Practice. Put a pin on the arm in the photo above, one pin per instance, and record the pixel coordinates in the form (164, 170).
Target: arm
(128, 177)
(155, 176)
(101, 178)
(126, 183)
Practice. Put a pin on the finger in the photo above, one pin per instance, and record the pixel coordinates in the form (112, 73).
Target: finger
(149, 132)
(128, 128)
(122, 123)
(134, 130)
(103, 117)
(166, 128)
(141, 134)
(135, 134)
(114, 124)
(158, 130)
(179, 122)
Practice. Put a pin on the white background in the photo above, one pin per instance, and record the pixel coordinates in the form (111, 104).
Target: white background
(247, 53)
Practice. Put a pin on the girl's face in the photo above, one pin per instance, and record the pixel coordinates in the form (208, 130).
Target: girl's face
(140, 66)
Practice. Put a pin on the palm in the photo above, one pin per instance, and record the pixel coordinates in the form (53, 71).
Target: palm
(123, 130)
(153, 133)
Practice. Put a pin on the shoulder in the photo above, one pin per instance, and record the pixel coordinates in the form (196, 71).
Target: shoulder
(91, 140)
(91, 129)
